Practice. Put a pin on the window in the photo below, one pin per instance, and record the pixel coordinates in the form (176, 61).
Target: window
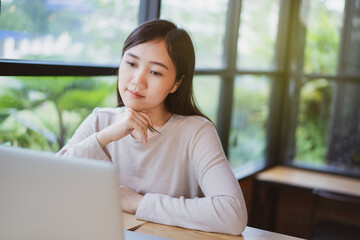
(208, 44)
(313, 121)
(69, 31)
(248, 134)
(206, 92)
(44, 112)
(326, 123)
(74, 32)
(256, 51)
(206, 27)
(323, 21)
(257, 34)
(280, 79)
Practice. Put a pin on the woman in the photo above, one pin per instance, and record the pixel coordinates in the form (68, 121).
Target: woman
(179, 176)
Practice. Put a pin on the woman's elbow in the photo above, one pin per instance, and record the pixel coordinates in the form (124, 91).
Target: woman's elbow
(236, 225)
(235, 220)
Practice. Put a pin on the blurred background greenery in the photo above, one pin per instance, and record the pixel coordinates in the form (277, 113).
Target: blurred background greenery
(43, 112)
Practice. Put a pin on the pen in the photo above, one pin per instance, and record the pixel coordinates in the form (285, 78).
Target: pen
(153, 130)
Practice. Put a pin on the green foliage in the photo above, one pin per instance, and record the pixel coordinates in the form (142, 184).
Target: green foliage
(311, 142)
(313, 122)
(13, 133)
(42, 113)
(207, 36)
(11, 100)
(248, 128)
(75, 99)
(321, 51)
(13, 19)
(257, 41)
(85, 31)
(322, 39)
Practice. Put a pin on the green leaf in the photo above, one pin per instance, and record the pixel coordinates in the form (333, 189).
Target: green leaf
(11, 101)
(75, 99)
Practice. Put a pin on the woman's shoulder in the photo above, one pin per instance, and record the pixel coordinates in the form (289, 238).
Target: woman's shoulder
(105, 110)
(192, 122)
(191, 119)
(105, 114)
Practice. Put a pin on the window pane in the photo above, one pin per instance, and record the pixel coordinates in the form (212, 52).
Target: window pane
(205, 22)
(349, 57)
(344, 136)
(324, 23)
(257, 34)
(43, 112)
(313, 122)
(73, 31)
(249, 117)
(206, 91)
(328, 130)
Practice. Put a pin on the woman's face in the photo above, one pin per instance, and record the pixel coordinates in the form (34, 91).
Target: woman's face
(146, 76)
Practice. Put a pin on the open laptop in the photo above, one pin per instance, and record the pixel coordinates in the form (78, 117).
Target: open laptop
(47, 197)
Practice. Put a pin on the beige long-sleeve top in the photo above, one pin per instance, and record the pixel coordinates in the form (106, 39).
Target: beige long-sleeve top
(183, 173)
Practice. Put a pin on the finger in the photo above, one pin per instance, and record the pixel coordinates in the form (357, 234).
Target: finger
(139, 115)
(144, 118)
(147, 117)
(141, 128)
(141, 122)
(136, 116)
(131, 120)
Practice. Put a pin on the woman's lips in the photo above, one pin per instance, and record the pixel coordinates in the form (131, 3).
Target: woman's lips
(135, 94)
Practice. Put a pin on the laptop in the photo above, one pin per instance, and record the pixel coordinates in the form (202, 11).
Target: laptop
(43, 196)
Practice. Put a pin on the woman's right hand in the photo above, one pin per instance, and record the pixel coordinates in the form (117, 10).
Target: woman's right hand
(126, 122)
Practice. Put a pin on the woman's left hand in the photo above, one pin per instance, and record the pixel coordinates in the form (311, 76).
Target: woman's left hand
(130, 200)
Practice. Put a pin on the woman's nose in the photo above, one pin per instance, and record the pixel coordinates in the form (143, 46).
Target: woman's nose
(140, 79)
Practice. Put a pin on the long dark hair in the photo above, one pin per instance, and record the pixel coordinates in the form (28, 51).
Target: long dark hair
(181, 52)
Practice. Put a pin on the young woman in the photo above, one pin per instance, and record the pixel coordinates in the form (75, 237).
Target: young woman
(179, 176)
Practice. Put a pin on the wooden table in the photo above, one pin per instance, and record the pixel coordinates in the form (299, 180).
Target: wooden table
(178, 233)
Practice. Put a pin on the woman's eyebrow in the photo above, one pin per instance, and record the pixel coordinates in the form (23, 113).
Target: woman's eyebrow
(132, 55)
(159, 64)
(152, 62)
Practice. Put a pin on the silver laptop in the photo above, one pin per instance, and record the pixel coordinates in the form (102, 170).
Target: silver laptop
(47, 197)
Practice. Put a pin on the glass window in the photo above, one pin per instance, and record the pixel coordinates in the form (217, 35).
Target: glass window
(72, 31)
(344, 136)
(250, 111)
(324, 23)
(206, 91)
(43, 112)
(313, 122)
(257, 34)
(328, 130)
(205, 21)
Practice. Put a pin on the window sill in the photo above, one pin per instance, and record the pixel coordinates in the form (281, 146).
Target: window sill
(355, 173)
(249, 169)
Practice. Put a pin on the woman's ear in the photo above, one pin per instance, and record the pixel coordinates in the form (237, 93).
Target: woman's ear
(177, 85)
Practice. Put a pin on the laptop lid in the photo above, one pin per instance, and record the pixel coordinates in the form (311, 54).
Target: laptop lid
(47, 197)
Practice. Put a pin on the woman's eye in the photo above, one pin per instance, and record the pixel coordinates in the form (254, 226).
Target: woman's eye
(131, 64)
(156, 73)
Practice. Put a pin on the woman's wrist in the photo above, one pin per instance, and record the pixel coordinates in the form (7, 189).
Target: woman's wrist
(130, 200)
(102, 138)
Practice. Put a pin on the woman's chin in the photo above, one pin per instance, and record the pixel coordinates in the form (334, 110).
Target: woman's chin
(136, 107)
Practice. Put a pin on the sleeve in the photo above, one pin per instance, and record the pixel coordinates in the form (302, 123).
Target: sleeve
(223, 207)
(84, 142)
